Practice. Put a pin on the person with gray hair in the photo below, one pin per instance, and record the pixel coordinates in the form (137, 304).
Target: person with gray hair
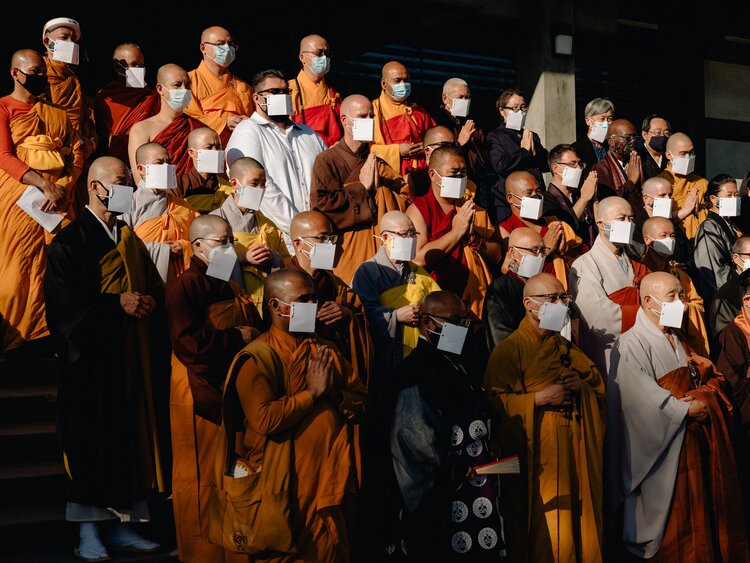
(592, 146)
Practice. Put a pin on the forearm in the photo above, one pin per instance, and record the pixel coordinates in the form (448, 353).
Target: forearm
(434, 251)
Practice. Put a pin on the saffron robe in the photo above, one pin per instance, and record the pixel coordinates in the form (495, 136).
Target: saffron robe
(675, 480)
(326, 458)
(681, 186)
(397, 123)
(560, 449)
(113, 367)
(734, 361)
(39, 137)
(317, 106)
(355, 211)
(174, 138)
(215, 98)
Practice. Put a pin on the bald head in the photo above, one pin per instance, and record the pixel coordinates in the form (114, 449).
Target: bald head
(105, 167)
(541, 284)
(450, 157)
(287, 286)
(312, 43)
(437, 134)
(613, 207)
(443, 304)
(150, 153)
(520, 184)
(128, 54)
(657, 187)
(657, 228)
(660, 285)
(170, 73)
(679, 142)
(204, 138)
(243, 166)
(525, 237)
(24, 57)
(214, 34)
(208, 226)
(309, 224)
(393, 68)
(621, 127)
(396, 221)
(356, 105)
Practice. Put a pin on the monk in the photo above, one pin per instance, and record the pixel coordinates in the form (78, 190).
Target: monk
(220, 99)
(605, 283)
(673, 487)
(660, 240)
(105, 309)
(160, 218)
(548, 398)
(315, 103)
(341, 314)
(204, 186)
(455, 240)
(435, 137)
(259, 243)
(210, 320)
(170, 126)
(122, 102)
(619, 172)
(41, 149)
(297, 391)
(355, 188)
(688, 188)
(399, 124)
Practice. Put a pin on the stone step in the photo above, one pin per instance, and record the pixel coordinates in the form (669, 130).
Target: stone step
(30, 442)
(19, 405)
(29, 372)
(24, 482)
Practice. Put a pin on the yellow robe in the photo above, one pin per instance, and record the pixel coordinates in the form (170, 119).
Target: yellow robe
(554, 509)
(681, 186)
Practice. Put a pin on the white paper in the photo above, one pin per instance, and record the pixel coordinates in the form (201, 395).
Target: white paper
(662, 207)
(552, 316)
(404, 249)
(453, 188)
(460, 107)
(672, 313)
(222, 264)
(322, 255)
(571, 177)
(515, 120)
(31, 201)
(66, 52)
(162, 261)
(249, 197)
(530, 265)
(161, 176)
(120, 199)
(729, 206)
(622, 232)
(135, 77)
(599, 131)
(363, 129)
(531, 208)
(279, 104)
(210, 161)
(452, 338)
(303, 317)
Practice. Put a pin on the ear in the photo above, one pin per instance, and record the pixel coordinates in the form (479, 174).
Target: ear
(588, 121)
(302, 59)
(383, 83)
(192, 152)
(235, 184)
(647, 240)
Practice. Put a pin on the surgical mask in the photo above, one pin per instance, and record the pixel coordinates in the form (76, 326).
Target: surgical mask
(452, 187)
(249, 197)
(620, 232)
(363, 128)
(278, 105)
(179, 99)
(662, 207)
(599, 131)
(515, 120)
(35, 84)
(210, 161)
(160, 176)
(64, 51)
(664, 246)
(571, 177)
(552, 316)
(322, 254)
(221, 261)
(401, 91)
(530, 265)
(729, 206)
(224, 54)
(119, 199)
(135, 77)
(460, 107)
(452, 337)
(746, 264)
(531, 207)
(403, 249)
(301, 316)
(659, 144)
(683, 165)
(320, 65)
(671, 313)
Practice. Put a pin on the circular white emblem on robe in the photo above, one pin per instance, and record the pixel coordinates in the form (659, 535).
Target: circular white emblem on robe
(461, 542)
(457, 435)
(459, 511)
(478, 480)
(475, 448)
(477, 429)
(487, 538)
(482, 507)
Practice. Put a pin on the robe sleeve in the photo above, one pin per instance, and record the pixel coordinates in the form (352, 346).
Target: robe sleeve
(9, 162)
(598, 312)
(709, 257)
(347, 203)
(497, 317)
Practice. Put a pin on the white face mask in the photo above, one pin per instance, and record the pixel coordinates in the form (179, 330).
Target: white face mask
(221, 261)
(322, 254)
(664, 246)
(598, 131)
(460, 107)
(278, 105)
(161, 176)
(210, 161)
(530, 265)
(620, 232)
(571, 177)
(179, 99)
(399, 248)
(746, 264)
(65, 51)
(249, 197)
(452, 187)
(552, 316)
(662, 207)
(301, 316)
(452, 337)
(515, 120)
(671, 313)
(363, 129)
(730, 206)
(683, 165)
(531, 208)
(135, 77)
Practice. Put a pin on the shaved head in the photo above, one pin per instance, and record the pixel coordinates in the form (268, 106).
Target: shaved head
(149, 152)
(286, 285)
(205, 226)
(450, 155)
(438, 134)
(396, 221)
(657, 227)
(678, 140)
(656, 187)
(621, 127)
(521, 184)
(170, 72)
(613, 206)
(309, 224)
(542, 283)
(356, 105)
(243, 166)
(393, 68)
(129, 53)
(312, 43)
(525, 237)
(25, 56)
(214, 34)
(658, 284)
(443, 304)
(105, 166)
(202, 136)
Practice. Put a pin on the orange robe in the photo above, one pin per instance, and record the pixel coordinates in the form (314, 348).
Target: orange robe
(43, 138)
(326, 464)
(216, 98)
(317, 106)
(174, 138)
(117, 108)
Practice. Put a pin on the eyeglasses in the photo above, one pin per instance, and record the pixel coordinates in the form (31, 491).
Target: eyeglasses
(236, 47)
(276, 91)
(320, 52)
(577, 164)
(536, 251)
(323, 238)
(565, 298)
(443, 144)
(459, 321)
(403, 234)
(626, 137)
(523, 107)
(222, 240)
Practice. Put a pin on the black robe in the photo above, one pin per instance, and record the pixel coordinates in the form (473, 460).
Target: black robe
(97, 403)
(648, 164)
(723, 308)
(503, 308)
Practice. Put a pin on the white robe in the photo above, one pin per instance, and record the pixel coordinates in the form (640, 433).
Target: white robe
(645, 429)
(593, 277)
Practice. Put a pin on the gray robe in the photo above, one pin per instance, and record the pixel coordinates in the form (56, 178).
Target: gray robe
(713, 254)
(148, 204)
